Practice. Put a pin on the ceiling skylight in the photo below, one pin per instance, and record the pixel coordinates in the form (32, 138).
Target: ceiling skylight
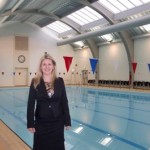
(107, 37)
(85, 16)
(117, 6)
(147, 27)
(59, 27)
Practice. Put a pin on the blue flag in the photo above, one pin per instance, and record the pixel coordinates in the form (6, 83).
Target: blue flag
(93, 63)
(149, 66)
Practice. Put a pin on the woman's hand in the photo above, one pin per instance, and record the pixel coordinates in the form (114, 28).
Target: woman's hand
(67, 127)
(32, 130)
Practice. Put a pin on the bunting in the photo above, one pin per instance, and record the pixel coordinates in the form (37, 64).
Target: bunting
(149, 66)
(68, 61)
(134, 66)
(93, 63)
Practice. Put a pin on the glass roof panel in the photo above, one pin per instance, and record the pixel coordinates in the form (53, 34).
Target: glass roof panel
(147, 27)
(85, 16)
(117, 6)
(75, 18)
(136, 2)
(145, 1)
(109, 5)
(93, 13)
(127, 3)
(107, 37)
(90, 17)
(59, 27)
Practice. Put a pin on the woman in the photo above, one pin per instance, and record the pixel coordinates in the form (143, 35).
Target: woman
(47, 110)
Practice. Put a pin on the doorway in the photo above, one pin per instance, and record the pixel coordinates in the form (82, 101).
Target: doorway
(84, 77)
(21, 77)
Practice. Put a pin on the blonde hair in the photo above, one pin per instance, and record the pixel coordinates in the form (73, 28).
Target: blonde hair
(39, 74)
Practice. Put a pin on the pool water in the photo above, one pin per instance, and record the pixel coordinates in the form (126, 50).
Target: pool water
(101, 119)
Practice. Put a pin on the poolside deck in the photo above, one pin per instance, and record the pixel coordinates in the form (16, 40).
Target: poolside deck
(9, 140)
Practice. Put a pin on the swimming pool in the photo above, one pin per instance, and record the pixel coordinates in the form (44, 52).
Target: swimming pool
(101, 119)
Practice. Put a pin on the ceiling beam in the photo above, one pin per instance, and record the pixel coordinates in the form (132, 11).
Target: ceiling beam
(110, 29)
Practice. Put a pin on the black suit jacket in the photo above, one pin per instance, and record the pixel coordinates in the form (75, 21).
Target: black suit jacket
(44, 109)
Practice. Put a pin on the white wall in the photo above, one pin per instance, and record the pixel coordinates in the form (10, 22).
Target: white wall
(39, 42)
(113, 62)
(65, 50)
(142, 57)
(80, 62)
(83, 63)
(6, 60)
(114, 65)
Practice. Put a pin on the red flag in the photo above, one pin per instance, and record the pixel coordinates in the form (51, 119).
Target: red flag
(134, 66)
(68, 61)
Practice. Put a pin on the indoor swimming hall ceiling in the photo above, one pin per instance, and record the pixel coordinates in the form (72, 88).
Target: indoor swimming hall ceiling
(76, 21)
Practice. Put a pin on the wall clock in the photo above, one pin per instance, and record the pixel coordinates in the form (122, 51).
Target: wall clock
(21, 58)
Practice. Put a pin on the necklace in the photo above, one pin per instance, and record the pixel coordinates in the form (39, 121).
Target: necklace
(49, 89)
